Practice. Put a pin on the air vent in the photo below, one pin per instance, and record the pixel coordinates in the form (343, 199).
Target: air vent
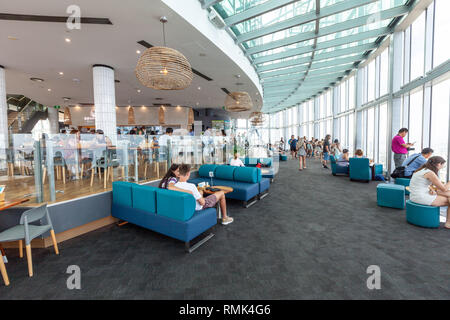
(148, 45)
(159, 99)
(38, 18)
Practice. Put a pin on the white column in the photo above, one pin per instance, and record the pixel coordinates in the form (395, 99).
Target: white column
(53, 119)
(301, 131)
(335, 100)
(316, 118)
(360, 83)
(105, 100)
(3, 111)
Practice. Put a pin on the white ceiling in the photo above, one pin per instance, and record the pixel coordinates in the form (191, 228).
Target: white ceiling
(42, 52)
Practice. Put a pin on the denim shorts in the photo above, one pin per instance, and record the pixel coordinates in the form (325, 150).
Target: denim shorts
(326, 156)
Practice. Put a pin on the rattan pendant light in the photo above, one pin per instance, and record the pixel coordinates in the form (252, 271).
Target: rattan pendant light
(161, 115)
(238, 101)
(131, 119)
(257, 118)
(67, 116)
(164, 68)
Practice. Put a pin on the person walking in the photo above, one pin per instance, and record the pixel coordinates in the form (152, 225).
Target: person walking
(326, 151)
(301, 151)
(400, 148)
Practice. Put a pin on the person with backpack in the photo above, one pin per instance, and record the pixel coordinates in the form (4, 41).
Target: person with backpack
(415, 161)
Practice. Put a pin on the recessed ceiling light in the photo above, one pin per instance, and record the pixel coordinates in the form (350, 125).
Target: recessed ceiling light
(61, 73)
(68, 40)
(197, 103)
(37, 79)
(199, 88)
(76, 80)
(66, 98)
(49, 89)
(139, 90)
(138, 51)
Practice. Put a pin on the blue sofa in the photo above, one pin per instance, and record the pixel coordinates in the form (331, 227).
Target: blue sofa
(338, 168)
(267, 172)
(247, 183)
(168, 212)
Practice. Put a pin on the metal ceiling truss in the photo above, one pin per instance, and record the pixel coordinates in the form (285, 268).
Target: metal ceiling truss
(304, 63)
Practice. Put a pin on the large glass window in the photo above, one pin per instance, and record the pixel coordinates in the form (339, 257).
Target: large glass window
(440, 121)
(418, 47)
(384, 72)
(441, 32)
(351, 92)
(382, 135)
(370, 133)
(371, 81)
(343, 95)
(415, 118)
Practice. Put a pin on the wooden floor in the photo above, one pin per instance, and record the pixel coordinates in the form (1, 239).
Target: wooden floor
(20, 186)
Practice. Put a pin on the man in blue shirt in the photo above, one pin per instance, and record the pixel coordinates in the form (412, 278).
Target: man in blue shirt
(415, 161)
(293, 145)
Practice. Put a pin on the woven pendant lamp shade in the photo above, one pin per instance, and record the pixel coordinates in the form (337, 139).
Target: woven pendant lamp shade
(131, 119)
(238, 101)
(161, 115)
(163, 68)
(191, 116)
(257, 119)
(67, 116)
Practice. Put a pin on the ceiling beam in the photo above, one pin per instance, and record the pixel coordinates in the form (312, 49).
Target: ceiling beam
(256, 11)
(338, 27)
(325, 44)
(209, 3)
(326, 55)
(314, 65)
(302, 19)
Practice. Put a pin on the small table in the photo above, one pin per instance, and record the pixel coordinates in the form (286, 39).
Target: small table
(209, 192)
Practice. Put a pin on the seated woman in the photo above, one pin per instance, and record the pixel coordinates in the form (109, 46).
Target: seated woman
(343, 159)
(426, 188)
(360, 154)
(236, 161)
(171, 178)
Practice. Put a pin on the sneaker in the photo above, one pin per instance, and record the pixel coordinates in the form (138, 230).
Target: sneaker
(325, 167)
(228, 220)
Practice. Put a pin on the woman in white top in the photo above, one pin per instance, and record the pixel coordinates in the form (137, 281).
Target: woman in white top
(236, 161)
(426, 187)
(301, 151)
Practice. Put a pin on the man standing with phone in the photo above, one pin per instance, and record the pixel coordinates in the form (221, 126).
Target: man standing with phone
(399, 147)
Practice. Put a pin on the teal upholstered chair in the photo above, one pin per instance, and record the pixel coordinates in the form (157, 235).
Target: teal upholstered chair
(391, 195)
(28, 231)
(360, 169)
(422, 215)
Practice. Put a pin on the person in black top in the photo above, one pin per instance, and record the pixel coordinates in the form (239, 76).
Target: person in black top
(326, 151)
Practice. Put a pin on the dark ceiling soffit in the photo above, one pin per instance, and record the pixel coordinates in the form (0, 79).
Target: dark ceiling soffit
(148, 45)
(225, 90)
(39, 18)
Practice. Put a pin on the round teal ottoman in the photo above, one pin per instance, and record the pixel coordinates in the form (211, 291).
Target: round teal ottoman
(422, 215)
(404, 182)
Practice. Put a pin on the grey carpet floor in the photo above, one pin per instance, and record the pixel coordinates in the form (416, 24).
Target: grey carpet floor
(312, 237)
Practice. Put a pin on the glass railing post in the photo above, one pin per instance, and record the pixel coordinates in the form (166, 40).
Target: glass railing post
(169, 154)
(125, 158)
(51, 171)
(38, 172)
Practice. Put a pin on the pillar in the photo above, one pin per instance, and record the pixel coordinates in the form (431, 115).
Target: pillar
(3, 111)
(53, 119)
(105, 100)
